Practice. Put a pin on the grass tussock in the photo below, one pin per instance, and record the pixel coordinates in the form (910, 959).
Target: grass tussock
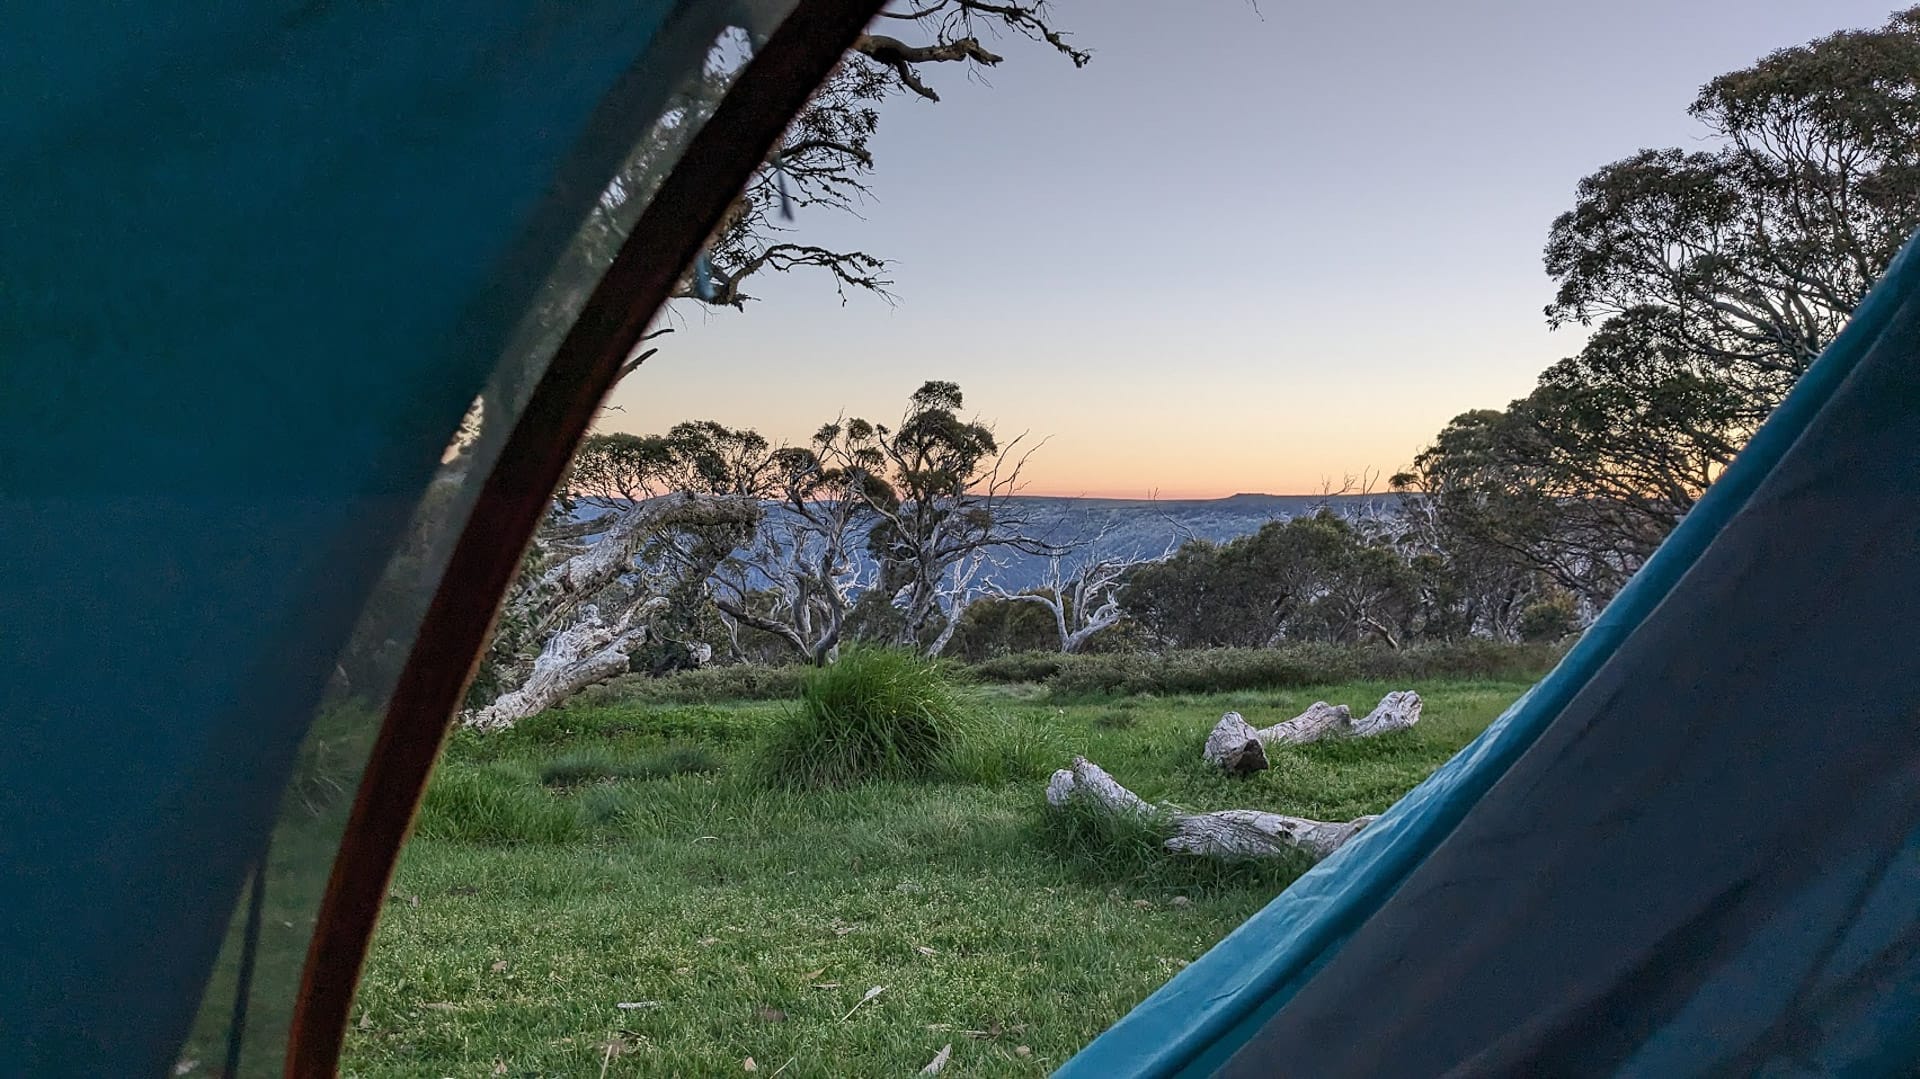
(875, 714)
(1004, 749)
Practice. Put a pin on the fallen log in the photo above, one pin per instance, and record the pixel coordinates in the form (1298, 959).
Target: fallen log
(1320, 720)
(1239, 748)
(1235, 746)
(1226, 833)
(1396, 712)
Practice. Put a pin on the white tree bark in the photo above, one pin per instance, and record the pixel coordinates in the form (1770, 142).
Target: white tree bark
(1396, 712)
(1089, 781)
(552, 600)
(1320, 720)
(957, 593)
(1235, 747)
(584, 654)
(1250, 833)
(1084, 600)
(1227, 833)
(806, 552)
(563, 605)
(1239, 748)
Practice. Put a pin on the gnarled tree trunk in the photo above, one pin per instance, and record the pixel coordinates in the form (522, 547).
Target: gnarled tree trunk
(1235, 746)
(584, 654)
(563, 605)
(552, 601)
(1227, 833)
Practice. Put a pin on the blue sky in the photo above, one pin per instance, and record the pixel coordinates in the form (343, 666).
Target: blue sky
(1239, 251)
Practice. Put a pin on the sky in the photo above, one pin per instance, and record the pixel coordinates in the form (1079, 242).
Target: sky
(1241, 251)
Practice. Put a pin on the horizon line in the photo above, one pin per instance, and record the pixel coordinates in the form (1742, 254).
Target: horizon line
(1161, 496)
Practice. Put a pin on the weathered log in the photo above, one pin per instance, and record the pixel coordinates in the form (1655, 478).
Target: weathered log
(1239, 748)
(1251, 833)
(1087, 780)
(1235, 746)
(1320, 720)
(1396, 712)
(1227, 833)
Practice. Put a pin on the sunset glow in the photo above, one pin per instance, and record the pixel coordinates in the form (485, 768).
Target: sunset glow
(1262, 255)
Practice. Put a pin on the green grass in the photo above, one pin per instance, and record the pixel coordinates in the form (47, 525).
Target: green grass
(299, 857)
(748, 919)
(575, 769)
(877, 713)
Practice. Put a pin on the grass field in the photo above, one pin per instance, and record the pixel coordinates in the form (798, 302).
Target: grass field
(614, 890)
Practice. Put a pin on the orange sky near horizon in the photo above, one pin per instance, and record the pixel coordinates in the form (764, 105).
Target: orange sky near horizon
(1230, 418)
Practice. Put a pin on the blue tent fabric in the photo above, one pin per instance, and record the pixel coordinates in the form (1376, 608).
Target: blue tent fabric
(258, 259)
(256, 262)
(1719, 783)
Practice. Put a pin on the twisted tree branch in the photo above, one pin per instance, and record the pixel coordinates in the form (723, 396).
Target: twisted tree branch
(901, 57)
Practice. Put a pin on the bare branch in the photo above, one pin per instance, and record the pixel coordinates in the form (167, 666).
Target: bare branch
(901, 57)
(1084, 599)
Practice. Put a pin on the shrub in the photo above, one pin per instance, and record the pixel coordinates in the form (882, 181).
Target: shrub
(619, 729)
(877, 713)
(1020, 667)
(1549, 619)
(1292, 666)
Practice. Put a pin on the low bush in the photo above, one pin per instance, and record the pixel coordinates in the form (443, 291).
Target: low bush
(1199, 670)
(707, 685)
(1551, 619)
(621, 732)
(1293, 666)
(1020, 667)
(875, 714)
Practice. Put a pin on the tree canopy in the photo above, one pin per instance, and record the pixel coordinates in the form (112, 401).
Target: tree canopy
(1713, 279)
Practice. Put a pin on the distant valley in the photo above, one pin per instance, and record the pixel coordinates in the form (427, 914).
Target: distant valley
(1144, 527)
